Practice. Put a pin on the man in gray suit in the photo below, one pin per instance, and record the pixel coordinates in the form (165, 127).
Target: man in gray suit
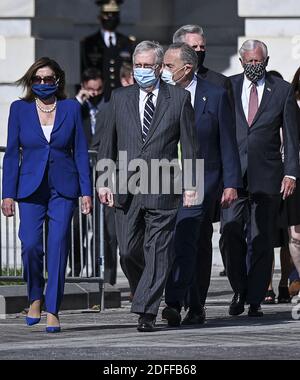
(147, 120)
(263, 105)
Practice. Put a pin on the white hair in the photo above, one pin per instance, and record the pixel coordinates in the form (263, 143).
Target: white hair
(150, 45)
(250, 45)
(179, 35)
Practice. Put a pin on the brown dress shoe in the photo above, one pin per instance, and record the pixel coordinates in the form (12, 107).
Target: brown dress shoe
(294, 288)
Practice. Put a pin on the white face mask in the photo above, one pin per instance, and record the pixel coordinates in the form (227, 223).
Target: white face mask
(167, 76)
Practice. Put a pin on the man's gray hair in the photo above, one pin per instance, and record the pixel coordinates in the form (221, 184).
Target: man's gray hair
(187, 54)
(250, 45)
(150, 45)
(179, 35)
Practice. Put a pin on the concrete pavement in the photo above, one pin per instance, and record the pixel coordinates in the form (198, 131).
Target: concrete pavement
(112, 334)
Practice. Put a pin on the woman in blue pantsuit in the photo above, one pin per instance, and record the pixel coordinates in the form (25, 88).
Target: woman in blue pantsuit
(45, 169)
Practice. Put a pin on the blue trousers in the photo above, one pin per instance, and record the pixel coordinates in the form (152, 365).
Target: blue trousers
(45, 202)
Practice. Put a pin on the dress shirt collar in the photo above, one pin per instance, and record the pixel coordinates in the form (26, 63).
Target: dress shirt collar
(144, 94)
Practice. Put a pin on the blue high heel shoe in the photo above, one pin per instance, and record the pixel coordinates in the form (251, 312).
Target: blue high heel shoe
(32, 321)
(53, 329)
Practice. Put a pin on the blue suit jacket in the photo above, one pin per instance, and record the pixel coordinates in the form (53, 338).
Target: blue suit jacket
(66, 154)
(217, 138)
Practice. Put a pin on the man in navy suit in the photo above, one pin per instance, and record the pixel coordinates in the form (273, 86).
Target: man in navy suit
(264, 105)
(190, 274)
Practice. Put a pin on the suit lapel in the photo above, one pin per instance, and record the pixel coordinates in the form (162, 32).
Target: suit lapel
(160, 109)
(267, 95)
(133, 105)
(60, 116)
(200, 101)
(36, 121)
(238, 99)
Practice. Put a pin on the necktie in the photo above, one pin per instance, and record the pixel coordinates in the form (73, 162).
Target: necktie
(110, 41)
(148, 115)
(253, 104)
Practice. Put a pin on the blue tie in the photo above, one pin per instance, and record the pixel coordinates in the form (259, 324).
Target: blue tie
(148, 115)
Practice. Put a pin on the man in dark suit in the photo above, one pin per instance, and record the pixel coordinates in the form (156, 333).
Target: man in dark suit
(193, 35)
(264, 104)
(107, 49)
(147, 120)
(215, 128)
(90, 96)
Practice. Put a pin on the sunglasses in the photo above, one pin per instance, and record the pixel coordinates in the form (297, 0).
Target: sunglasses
(36, 79)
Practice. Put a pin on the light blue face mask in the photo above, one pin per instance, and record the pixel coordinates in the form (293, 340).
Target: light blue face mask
(145, 77)
(167, 77)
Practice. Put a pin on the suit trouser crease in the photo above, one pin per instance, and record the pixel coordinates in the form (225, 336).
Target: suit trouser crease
(145, 238)
(189, 278)
(248, 228)
(33, 211)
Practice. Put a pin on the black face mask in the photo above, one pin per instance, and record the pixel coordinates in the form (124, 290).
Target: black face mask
(255, 72)
(95, 100)
(201, 57)
(111, 23)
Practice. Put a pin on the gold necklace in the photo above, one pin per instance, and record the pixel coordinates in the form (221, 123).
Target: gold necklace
(46, 110)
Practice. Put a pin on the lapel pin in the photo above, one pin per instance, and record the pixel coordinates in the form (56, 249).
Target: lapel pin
(204, 98)
(268, 88)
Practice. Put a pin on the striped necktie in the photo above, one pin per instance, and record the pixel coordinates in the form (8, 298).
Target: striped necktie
(148, 115)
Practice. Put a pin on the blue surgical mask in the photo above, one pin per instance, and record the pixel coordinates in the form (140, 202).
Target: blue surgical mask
(44, 91)
(145, 77)
(167, 77)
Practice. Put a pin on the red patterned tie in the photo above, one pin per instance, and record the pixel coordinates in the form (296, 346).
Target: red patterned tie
(253, 104)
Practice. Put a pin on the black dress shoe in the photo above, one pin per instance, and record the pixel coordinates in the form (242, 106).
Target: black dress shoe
(255, 311)
(172, 315)
(146, 323)
(194, 317)
(237, 305)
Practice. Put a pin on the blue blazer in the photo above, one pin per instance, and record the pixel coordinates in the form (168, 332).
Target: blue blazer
(66, 155)
(217, 138)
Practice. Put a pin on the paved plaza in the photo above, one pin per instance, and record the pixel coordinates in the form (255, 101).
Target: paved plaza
(112, 334)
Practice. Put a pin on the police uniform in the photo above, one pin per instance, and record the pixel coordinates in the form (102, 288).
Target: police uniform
(109, 59)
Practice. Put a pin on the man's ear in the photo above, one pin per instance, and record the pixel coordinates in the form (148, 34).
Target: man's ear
(267, 61)
(189, 68)
(240, 59)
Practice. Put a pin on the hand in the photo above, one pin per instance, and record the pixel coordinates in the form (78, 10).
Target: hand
(288, 186)
(228, 197)
(189, 198)
(86, 205)
(83, 95)
(8, 207)
(106, 196)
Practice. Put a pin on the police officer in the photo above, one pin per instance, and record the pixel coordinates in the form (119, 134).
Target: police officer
(107, 49)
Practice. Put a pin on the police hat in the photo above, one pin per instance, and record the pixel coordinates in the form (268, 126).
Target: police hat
(109, 6)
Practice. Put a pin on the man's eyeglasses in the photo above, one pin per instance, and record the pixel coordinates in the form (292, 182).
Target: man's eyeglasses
(36, 79)
(146, 66)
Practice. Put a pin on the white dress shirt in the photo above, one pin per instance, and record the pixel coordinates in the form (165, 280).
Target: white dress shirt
(143, 99)
(47, 129)
(192, 89)
(106, 34)
(246, 93)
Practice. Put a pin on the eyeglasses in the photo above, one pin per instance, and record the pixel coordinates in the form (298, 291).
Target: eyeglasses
(49, 79)
(145, 66)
